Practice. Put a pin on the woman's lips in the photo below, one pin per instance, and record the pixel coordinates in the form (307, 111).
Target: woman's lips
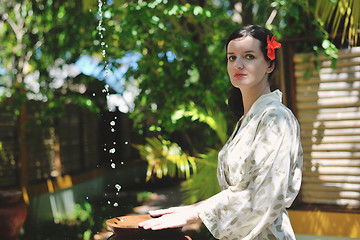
(239, 75)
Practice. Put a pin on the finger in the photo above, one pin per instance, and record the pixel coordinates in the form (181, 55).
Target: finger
(167, 224)
(157, 213)
(145, 225)
(163, 222)
(149, 223)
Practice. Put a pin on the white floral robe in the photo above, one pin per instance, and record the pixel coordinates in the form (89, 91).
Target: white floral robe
(259, 172)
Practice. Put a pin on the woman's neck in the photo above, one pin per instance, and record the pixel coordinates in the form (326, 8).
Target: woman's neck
(250, 96)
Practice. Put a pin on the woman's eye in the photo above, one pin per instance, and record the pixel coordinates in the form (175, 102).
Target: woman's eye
(249, 57)
(232, 58)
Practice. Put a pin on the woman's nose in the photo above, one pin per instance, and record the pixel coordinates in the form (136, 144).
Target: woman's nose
(239, 64)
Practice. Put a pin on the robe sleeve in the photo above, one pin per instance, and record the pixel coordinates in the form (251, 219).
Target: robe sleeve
(269, 185)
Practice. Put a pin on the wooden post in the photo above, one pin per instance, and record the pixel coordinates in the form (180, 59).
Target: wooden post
(23, 164)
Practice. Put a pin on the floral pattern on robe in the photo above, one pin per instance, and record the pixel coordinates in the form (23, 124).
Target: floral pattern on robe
(259, 172)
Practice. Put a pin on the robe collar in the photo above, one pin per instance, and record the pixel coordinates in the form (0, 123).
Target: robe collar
(262, 102)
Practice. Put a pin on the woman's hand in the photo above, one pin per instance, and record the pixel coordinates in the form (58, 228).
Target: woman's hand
(171, 218)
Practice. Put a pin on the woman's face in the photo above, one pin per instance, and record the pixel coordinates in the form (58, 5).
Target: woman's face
(246, 65)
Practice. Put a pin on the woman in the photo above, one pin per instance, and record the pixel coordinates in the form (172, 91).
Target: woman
(259, 168)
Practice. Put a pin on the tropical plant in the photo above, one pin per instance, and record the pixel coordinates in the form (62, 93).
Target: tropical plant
(214, 118)
(204, 183)
(333, 13)
(165, 158)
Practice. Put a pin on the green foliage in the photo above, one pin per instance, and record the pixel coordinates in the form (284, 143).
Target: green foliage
(204, 184)
(182, 47)
(38, 37)
(165, 158)
(214, 118)
(82, 213)
(81, 224)
(295, 19)
(336, 12)
(143, 196)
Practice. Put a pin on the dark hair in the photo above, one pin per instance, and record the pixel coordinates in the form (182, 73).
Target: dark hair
(260, 33)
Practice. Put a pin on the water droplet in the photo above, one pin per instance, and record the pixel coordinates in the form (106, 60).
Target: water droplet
(126, 142)
(116, 204)
(109, 202)
(122, 163)
(113, 165)
(112, 130)
(114, 143)
(117, 186)
(94, 94)
(122, 219)
(112, 150)
(112, 123)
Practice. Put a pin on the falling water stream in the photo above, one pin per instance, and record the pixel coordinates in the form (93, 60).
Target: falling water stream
(103, 44)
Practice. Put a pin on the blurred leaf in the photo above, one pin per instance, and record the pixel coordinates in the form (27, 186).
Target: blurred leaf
(165, 158)
(203, 184)
(341, 11)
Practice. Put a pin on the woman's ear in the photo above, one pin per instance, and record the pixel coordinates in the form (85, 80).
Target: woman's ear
(271, 66)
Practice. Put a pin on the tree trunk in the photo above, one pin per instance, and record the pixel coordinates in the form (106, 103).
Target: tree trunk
(244, 9)
(246, 14)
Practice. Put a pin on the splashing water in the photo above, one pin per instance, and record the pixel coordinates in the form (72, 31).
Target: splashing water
(118, 187)
(112, 124)
(101, 29)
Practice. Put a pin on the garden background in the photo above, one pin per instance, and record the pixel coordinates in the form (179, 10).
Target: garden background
(103, 102)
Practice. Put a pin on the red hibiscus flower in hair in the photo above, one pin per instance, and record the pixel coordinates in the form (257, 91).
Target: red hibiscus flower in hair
(272, 45)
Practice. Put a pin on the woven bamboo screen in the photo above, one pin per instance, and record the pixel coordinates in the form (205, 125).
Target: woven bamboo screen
(328, 105)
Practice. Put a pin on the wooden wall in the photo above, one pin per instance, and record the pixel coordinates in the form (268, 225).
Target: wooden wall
(328, 110)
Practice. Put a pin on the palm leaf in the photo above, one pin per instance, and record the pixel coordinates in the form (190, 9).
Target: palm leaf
(204, 183)
(212, 117)
(165, 158)
(335, 11)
